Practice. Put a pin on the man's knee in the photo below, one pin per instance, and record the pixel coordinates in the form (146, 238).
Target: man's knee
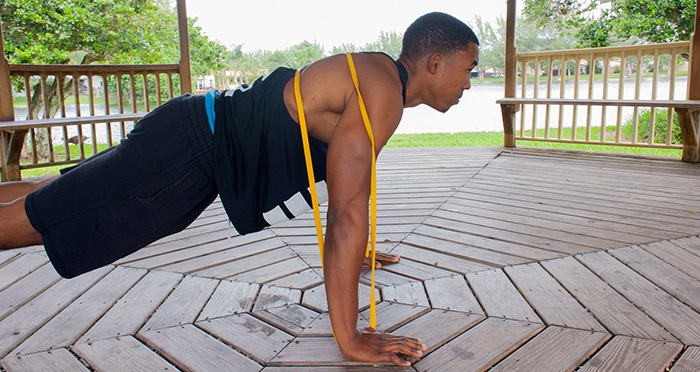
(15, 229)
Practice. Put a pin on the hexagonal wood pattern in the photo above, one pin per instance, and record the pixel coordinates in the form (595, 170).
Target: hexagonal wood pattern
(512, 260)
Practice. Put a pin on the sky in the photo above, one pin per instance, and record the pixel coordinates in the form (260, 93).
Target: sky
(277, 24)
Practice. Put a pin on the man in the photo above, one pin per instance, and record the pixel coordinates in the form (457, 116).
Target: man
(244, 145)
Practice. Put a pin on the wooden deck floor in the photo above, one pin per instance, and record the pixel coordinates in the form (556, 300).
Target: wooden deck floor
(522, 260)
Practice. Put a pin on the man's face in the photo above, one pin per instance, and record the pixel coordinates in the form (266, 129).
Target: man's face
(454, 77)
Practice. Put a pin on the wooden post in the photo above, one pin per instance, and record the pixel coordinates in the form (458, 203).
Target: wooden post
(185, 70)
(689, 120)
(11, 142)
(511, 78)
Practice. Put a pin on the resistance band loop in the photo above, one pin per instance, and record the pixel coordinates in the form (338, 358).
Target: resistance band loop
(312, 184)
(373, 194)
(309, 165)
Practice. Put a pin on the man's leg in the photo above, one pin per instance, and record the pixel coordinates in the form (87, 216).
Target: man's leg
(15, 229)
(13, 190)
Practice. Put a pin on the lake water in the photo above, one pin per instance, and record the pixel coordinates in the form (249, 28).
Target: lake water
(476, 112)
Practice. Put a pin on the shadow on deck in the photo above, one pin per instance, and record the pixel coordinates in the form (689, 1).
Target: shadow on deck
(513, 260)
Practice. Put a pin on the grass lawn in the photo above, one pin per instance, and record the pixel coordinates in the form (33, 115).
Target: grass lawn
(496, 139)
(471, 139)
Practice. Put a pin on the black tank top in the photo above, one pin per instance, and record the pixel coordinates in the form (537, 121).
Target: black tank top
(259, 165)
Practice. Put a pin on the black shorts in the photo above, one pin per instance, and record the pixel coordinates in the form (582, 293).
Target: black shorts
(153, 184)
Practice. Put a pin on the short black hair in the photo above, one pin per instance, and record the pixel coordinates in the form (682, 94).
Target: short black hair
(436, 32)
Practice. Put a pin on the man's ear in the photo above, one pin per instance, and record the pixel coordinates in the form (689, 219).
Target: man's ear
(435, 62)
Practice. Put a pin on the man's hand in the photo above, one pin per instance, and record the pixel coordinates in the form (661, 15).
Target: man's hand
(369, 345)
(382, 257)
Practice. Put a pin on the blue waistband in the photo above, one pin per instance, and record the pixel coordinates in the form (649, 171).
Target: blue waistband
(209, 106)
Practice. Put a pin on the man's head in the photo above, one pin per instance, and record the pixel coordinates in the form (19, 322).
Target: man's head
(442, 51)
(436, 32)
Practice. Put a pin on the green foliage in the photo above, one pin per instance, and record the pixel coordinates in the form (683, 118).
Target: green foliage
(660, 127)
(602, 23)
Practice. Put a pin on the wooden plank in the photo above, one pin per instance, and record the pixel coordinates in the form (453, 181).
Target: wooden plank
(438, 327)
(633, 354)
(677, 283)
(554, 349)
(315, 298)
(462, 234)
(435, 246)
(614, 188)
(689, 361)
(549, 299)
(184, 304)
(384, 278)
(292, 319)
(676, 256)
(48, 361)
(682, 321)
(592, 216)
(452, 293)
(66, 327)
(336, 369)
(132, 311)
(542, 238)
(20, 267)
(499, 297)
(517, 214)
(480, 347)
(303, 280)
(613, 311)
(313, 351)
(270, 297)
(391, 315)
(22, 323)
(228, 269)
(16, 295)
(190, 349)
(121, 354)
(617, 208)
(410, 294)
(272, 271)
(208, 255)
(601, 102)
(230, 298)
(414, 270)
(436, 258)
(257, 339)
(321, 326)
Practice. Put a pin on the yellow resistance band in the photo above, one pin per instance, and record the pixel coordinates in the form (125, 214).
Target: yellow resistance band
(312, 183)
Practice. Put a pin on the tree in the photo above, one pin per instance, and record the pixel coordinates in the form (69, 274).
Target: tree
(98, 31)
(529, 38)
(388, 42)
(598, 23)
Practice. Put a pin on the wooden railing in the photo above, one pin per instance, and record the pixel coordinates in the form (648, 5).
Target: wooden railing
(102, 119)
(637, 80)
(105, 102)
(641, 95)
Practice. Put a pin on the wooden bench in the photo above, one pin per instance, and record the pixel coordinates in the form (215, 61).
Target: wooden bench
(688, 116)
(13, 133)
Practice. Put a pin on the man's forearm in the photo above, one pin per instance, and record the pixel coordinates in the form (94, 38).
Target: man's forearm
(345, 246)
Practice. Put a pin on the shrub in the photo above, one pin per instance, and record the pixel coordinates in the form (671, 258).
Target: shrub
(659, 130)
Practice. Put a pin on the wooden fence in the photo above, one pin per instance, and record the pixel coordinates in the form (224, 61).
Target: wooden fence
(640, 95)
(105, 101)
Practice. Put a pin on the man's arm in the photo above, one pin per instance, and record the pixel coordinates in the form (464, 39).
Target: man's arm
(348, 176)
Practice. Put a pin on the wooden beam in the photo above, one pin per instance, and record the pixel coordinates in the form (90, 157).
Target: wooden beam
(10, 142)
(185, 70)
(508, 113)
(690, 127)
(511, 61)
(694, 68)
